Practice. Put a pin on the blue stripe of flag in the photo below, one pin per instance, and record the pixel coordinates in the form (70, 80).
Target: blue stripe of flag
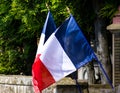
(49, 26)
(74, 43)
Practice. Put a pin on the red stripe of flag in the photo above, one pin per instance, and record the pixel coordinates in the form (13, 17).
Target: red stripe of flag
(40, 74)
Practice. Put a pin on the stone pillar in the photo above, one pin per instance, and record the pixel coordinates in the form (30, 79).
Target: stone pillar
(114, 28)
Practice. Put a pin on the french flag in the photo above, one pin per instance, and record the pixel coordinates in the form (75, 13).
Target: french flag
(37, 67)
(63, 53)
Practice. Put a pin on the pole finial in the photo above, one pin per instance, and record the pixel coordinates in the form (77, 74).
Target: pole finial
(68, 9)
(47, 6)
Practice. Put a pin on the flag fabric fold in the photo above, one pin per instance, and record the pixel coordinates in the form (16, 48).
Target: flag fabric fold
(48, 28)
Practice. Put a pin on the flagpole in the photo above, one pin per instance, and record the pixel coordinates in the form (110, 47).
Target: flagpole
(105, 74)
(78, 86)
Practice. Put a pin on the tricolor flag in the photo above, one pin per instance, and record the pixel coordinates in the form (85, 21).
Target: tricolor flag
(64, 52)
(37, 78)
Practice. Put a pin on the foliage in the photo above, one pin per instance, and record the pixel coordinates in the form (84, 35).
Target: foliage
(20, 24)
(109, 9)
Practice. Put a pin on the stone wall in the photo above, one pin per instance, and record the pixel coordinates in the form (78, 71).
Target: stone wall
(15, 84)
(23, 84)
